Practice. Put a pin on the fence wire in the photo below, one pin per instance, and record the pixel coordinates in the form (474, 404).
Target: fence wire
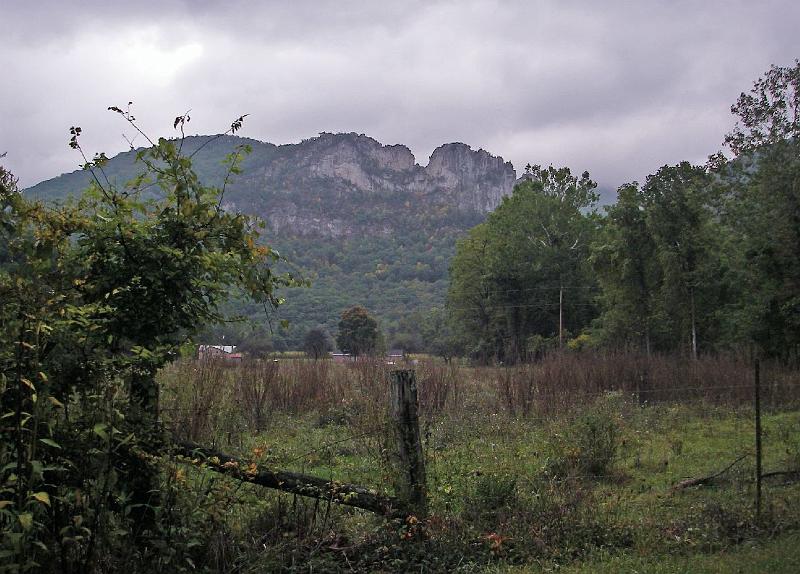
(477, 429)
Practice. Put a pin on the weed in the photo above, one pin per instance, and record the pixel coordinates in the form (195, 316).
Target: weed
(586, 446)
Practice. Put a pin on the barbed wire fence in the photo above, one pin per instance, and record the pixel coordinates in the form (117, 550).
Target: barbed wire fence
(744, 439)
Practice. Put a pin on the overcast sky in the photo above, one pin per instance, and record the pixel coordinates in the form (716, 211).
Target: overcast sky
(616, 88)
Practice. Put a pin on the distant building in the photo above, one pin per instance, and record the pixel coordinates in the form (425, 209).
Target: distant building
(225, 352)
(392, 357)
(342, 357)
(395, 356)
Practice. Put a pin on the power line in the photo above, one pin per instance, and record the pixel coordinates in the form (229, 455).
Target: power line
(542, 288)
(542, 306)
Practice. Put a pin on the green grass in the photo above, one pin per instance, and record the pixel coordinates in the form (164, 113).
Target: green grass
(776, 556)
(659, 446)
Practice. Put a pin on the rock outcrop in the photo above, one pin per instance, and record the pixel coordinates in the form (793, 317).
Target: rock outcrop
(477, 180)
(343, 184)
(352, 167)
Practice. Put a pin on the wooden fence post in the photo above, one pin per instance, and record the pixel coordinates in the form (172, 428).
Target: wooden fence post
(411, 485)
(641, 388)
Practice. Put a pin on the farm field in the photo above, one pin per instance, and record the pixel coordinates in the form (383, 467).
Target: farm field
(578, 463)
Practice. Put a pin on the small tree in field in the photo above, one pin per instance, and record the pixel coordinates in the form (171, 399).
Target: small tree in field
(317, 343)
(358, 332)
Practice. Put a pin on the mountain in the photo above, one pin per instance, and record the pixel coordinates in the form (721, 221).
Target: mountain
(363, 221)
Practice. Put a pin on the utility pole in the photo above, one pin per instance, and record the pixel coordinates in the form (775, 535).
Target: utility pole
(561, 314)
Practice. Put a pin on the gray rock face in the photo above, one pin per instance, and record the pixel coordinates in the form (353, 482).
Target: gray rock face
(358, 160)
(468, 179)
(476, 179)
(340, 185)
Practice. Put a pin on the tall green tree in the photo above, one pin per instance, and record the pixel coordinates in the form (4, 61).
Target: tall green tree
(358, 332)
(525, 271)
(471, 301)
(762, 209)
(679, 218)
(624, 259)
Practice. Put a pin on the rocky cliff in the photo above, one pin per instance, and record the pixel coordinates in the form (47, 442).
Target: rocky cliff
(477, 180)
(286, 183)
(316, 186)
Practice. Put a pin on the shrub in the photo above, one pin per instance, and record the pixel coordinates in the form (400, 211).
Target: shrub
(491, 496)
(588, 445)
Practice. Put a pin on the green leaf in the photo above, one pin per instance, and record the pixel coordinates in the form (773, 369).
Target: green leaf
(50, 442)
(100, 430)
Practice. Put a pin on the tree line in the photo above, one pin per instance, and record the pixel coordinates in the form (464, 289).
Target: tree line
(698, 258)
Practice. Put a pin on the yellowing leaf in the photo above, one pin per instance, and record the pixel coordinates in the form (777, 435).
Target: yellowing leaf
(42, 497)
(26, 520)
(56, 402)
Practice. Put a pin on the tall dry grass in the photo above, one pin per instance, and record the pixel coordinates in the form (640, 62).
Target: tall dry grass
(192, 396)
(208, 399)
(562, 381)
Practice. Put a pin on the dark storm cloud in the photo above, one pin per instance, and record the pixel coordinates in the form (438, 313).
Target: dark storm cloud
(618, 88)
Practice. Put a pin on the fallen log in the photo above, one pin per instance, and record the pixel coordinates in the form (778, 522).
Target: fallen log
(706, 479)
(293, 482)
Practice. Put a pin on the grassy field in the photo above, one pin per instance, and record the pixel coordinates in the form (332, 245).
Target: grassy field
(569, 465)
(778, 555)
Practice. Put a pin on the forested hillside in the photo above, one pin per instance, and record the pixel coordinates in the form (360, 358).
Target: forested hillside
(362, 222)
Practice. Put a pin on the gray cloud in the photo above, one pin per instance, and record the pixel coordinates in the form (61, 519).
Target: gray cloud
(618, 88)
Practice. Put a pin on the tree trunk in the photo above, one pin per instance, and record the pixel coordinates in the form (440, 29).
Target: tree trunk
(295, 483)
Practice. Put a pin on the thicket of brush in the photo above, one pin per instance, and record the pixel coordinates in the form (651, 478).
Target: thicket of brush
(210, 398)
